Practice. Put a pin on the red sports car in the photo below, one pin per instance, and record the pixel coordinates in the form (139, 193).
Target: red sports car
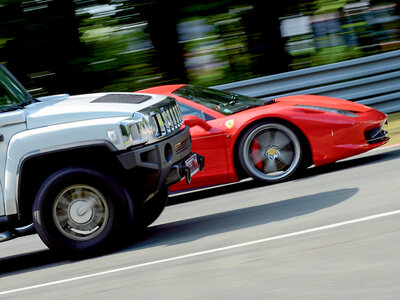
(271, 140)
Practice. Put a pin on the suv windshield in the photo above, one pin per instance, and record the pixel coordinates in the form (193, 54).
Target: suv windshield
(12, 94)
(223, 102)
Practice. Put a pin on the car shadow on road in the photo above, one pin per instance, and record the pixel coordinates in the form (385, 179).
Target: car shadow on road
(28, 261)
(193, 229)
(196, 228)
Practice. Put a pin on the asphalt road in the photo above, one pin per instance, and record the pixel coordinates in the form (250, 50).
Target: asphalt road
(334, 234)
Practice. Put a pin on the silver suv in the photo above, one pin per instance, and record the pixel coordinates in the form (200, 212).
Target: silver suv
(87, 170)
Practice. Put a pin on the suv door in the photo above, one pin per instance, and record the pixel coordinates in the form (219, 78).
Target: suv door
(12, 120)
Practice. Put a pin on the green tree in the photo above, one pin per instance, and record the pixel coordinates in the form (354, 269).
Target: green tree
(162, 17)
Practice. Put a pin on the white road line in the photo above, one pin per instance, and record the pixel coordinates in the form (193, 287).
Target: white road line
(335, 225)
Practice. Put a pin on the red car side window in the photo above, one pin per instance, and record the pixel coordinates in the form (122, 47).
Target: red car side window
(188, 110)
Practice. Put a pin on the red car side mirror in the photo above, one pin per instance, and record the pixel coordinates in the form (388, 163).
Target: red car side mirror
(191, 121)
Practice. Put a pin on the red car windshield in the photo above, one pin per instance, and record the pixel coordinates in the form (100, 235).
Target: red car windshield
(223, 102)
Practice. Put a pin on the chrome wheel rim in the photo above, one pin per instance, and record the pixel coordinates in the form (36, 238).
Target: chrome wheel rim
(80, 212)
(272, 152)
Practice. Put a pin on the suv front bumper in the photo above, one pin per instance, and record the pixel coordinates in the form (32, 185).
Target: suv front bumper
(166, 157)
(181, 169)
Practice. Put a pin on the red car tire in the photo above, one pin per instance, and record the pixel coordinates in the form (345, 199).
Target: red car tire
(271, 152)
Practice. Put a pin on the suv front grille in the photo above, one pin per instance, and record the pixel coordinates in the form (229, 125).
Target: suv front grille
(168, 119)
(165, 118)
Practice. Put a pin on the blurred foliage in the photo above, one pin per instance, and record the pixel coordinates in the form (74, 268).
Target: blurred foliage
(393, 128)
(327, 6)
(74, 46)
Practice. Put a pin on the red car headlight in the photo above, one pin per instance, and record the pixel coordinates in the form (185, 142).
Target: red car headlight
(343, 112)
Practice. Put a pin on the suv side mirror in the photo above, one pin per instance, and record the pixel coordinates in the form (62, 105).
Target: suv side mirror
(191, 121)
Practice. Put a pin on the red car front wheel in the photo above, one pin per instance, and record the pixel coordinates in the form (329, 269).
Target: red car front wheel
(270, 152)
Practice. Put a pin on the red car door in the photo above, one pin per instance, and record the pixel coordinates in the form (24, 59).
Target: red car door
(209, 140)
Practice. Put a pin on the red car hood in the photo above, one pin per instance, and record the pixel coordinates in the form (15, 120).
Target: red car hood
(323, 101)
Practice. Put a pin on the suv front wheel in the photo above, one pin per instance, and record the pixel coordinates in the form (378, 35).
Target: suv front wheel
(80, 210)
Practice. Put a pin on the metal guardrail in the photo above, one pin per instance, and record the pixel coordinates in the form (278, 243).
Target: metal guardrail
(372, 80)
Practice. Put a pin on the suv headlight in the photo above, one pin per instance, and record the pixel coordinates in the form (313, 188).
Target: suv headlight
(136, 130)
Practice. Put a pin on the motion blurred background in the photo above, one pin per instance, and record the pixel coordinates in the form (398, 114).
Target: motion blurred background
(76, 46)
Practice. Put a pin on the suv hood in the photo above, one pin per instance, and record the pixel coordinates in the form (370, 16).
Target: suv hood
(61, 109)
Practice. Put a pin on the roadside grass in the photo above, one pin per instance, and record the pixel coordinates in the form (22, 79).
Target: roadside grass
(393, 128)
